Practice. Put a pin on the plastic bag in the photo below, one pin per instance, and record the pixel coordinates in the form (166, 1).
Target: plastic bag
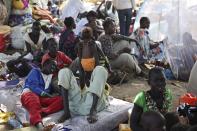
(7, 101)
(22, 115)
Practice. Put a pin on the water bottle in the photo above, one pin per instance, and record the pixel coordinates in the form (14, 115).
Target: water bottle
(14, 123)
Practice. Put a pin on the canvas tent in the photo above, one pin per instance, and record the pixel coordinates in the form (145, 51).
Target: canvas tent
(175, 21)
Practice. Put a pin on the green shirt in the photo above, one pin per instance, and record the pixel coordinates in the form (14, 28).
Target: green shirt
(141, 101)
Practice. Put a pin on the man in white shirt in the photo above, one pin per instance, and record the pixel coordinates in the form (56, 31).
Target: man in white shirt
(72, 8)
(124, 8)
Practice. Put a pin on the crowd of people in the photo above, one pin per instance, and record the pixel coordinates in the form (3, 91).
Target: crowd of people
(71, 74)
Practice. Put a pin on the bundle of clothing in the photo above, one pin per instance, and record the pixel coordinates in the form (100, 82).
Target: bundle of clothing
(42, 14)
(21, 13)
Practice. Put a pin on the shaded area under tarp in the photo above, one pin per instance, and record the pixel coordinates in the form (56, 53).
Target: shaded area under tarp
(175, 21)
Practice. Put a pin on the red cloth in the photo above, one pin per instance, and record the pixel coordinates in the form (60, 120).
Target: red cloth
(61, 59)
(37, 105)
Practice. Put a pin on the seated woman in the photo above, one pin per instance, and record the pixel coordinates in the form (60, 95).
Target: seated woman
(67, 40)
(158, 98)
(36, 96)
(33, 52)
(89, 54)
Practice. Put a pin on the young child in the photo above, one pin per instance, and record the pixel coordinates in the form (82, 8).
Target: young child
(89, 54)
(59, 57)
(172, 119)
(68, 39)
(153, 121)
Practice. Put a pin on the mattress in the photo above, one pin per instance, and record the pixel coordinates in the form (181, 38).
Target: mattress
(108, 119)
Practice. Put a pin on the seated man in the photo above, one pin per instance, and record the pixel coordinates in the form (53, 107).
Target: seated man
(145, 43)
(94, 24)
(35, 40)
(122, 58)
(36, 96)
(33, 52)
(88, 101)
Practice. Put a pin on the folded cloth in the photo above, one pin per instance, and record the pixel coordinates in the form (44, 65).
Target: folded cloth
(88, 64)
(15, 20)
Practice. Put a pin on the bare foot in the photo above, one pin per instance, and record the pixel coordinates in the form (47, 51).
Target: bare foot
(63, 118)
(92, 117)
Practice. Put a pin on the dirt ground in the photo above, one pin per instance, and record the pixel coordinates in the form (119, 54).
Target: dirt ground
(129, 90)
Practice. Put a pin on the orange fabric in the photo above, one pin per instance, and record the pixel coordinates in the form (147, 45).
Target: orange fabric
(88, 64)
(188, 98)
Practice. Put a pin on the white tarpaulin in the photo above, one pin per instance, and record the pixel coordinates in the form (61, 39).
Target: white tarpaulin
(176, 21)
(74, 7)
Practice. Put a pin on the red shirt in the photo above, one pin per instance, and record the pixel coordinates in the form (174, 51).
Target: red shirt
(61, 59)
